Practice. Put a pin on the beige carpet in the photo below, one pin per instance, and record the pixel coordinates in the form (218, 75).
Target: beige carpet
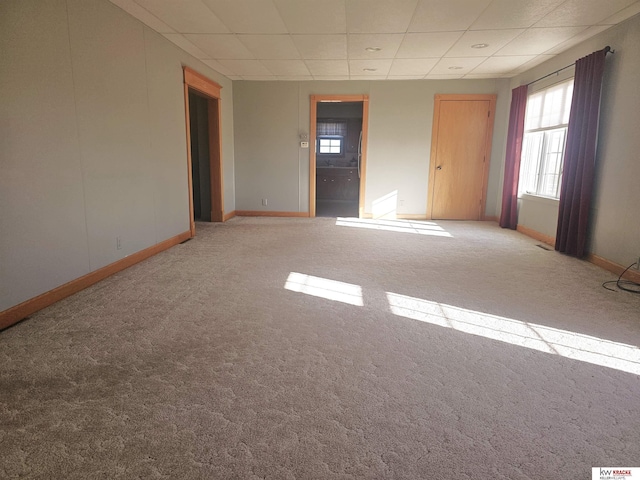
(443, 354)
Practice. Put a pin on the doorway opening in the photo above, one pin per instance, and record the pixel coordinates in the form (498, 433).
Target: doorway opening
(204, 152)
(338, 139)
(200, 164)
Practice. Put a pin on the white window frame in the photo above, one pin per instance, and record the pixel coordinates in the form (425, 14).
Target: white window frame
(539, 166)
(331, 138)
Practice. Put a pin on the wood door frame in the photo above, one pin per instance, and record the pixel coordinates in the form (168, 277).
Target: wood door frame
(211, 91)
(315, 99)
(438, 99)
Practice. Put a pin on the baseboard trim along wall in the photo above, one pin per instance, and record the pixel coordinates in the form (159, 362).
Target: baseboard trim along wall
(633, 275)
(608, 265)
(228, 216)
(537, 235)
(263, 213)
(22, 310)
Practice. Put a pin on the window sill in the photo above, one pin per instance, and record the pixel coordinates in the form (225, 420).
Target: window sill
(539, 199)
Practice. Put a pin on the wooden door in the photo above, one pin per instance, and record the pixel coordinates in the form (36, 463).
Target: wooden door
(460, 152)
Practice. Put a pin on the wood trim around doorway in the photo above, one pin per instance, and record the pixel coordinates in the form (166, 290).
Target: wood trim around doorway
(211, 91)
(313, 113)
(491, 98)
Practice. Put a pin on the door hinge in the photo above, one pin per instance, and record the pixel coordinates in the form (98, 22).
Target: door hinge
(489, 113)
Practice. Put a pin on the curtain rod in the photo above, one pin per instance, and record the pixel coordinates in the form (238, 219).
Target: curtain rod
(606, 49)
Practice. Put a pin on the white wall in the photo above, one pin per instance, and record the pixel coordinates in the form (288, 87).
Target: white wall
(93, 141)
(269, 116)
(615, 230)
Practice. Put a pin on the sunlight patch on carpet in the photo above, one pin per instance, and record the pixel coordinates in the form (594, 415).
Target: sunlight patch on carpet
(537, 337)
(324, 288)
(391, 225)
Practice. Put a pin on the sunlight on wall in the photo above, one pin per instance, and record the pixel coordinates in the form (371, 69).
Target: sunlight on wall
(545, 339)
(322, 287)
(403, 226)
(385, 206)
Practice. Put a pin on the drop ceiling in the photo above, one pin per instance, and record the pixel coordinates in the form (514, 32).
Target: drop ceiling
(376, 39)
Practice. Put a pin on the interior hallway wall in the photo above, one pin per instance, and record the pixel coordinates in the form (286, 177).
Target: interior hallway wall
(94, 141)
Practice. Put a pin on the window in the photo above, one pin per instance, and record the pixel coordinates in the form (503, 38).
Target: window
(331, 135)
(330, 145)
(543, 143)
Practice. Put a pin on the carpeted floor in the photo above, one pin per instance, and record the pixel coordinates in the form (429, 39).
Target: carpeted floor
(302, 348)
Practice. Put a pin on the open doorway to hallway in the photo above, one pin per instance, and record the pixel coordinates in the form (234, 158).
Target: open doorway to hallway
(204, 152)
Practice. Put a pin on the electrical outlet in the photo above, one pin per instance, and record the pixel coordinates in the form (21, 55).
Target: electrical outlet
(118, 243)
(264, 202)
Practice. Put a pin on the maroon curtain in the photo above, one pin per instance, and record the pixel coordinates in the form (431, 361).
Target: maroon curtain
(509, 214)
(580, 155)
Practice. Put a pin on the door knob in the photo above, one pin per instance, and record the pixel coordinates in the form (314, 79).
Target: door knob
(439, 167)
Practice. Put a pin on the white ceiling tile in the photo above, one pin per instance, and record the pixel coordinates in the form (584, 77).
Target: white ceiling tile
(270, 46)
(379, 16)
(246, 67)
(446, 15)
(331, 77)
(413, 66)
(286, 67)
(622, 15)
(185, 45)
(301, 39)
(312, 16)
(513, 13)
(532, 63)
(455, 66)
(328, 67)
(260, 78)
(427, 45)
(538, 40)
(387, 42)
(218, 67)
(381, 67)
(220, 46)
(479, 76)
(496, 39)
(185, 16)
(405, 77)
(582, 12)
(146, 17)
(433, 76)
(248, 16)
(582, 36)
(368, 77)
(321, 46)
(296, 78)
(496, 65)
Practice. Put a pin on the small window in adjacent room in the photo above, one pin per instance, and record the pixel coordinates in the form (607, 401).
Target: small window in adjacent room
(331, 134)
(331, 145)
(543, 143)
